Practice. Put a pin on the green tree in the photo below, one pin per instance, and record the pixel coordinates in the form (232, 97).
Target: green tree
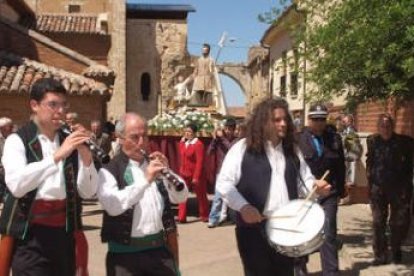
(364, 48)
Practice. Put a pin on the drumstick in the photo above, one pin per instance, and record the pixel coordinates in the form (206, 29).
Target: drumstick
(313, 191)
(287, 230)
(279, 216)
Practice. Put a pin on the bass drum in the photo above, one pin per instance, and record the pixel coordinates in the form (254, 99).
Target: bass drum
(296, 229)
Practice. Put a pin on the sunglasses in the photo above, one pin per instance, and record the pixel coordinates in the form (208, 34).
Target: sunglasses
(319, 119)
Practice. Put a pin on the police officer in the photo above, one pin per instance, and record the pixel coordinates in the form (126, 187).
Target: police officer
(390, 174)
(322, 150)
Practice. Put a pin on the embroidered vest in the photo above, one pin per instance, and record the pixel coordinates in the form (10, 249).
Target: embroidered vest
(15, 218)
(118, 228)
(254, 182)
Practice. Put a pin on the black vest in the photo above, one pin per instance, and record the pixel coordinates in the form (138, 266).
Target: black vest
(15, 218)
(255, 179)
(118, 228)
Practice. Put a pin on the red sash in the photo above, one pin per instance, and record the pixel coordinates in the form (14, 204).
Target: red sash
(53, 213)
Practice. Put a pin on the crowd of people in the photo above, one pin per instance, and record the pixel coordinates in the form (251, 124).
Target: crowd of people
(262, 165)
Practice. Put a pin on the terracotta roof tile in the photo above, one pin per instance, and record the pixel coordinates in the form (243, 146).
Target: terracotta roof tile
(237, 111)
(17, 74)
(65, 23)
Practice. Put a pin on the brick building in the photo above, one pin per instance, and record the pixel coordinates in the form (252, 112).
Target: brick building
(26, 55)
(93, 28)
(146, 45)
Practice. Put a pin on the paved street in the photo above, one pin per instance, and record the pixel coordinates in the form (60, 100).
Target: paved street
(206, 251)
(203, 251)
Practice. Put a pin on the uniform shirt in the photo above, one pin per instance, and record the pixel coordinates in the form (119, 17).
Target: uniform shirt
(45, 175)
(141, 195)
(230, 174)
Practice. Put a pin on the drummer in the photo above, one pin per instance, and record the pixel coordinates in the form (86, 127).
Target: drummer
(259, 175)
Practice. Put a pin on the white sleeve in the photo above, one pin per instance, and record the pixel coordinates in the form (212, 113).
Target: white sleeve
(114, 200)
(87, 179)
(229, 176)
(21, 177)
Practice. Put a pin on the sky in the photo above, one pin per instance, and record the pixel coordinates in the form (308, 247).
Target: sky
(238, 18)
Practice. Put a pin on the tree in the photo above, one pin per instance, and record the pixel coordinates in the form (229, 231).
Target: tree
(364, 48)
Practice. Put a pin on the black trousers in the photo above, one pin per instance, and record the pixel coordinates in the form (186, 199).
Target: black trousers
(153, 262)
(258, 257)
(48, 251)
(398, 202)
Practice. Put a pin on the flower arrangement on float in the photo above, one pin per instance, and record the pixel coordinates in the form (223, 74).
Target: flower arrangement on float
(173, 123)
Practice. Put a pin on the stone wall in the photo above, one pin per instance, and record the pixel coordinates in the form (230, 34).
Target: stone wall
(117, 58)
(61, 6)
(258, 66)
(157, 48)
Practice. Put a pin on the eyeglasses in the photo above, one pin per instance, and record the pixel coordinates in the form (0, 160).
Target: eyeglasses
(55, 106)
(319, 119)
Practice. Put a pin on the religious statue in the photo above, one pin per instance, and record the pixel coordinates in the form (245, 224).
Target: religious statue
(182, 94)
(204, 82)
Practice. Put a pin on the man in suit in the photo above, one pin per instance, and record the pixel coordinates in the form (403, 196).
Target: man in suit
(390, 179)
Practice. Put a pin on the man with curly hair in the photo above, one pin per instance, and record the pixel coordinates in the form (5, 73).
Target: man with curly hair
(259, 175)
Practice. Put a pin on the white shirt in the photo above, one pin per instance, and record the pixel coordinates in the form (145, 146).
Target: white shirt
(230, 174)
(141, 195)
(190, 142)
(45, 175)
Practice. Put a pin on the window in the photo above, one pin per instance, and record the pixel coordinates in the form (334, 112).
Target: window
(145, 86)
(294, 84)
(296, 59)
(284, 61)
(283, 86)
(271, 86)
(74, 8)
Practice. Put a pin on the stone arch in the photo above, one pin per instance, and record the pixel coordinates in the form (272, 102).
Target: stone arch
(239, 73)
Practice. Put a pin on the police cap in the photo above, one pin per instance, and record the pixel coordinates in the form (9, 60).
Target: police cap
(318, 110)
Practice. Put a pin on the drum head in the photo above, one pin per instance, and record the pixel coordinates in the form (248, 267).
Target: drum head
(295, 224)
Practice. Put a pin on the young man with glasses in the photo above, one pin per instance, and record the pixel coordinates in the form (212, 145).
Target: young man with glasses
(322, 149)
(47, 175)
